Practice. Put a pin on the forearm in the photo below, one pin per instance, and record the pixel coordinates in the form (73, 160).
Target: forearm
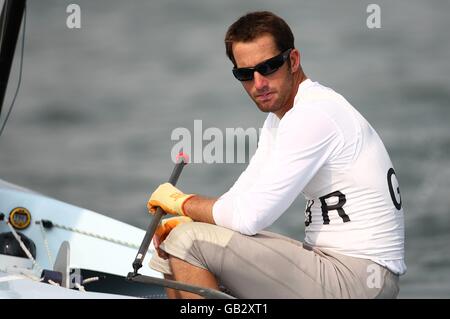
(199, 208)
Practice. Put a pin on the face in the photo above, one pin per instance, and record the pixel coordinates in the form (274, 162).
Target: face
(273, 92)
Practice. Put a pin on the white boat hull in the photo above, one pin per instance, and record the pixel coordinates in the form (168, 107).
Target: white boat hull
(97, 242)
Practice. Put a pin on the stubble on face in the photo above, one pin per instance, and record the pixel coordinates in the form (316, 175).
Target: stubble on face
(273, 98)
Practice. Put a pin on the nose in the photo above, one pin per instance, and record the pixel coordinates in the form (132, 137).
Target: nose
(260, 81)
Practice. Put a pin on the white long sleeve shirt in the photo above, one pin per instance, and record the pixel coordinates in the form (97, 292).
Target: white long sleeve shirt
(324, 148)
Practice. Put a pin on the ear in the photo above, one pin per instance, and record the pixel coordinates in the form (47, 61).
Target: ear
(295, 60)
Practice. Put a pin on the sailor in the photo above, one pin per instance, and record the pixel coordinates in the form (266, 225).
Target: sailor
(313, 142)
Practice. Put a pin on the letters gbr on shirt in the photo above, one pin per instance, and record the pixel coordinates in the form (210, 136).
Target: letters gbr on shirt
(341, 200)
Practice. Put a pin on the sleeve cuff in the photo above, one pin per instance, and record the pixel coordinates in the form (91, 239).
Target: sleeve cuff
(223, 212)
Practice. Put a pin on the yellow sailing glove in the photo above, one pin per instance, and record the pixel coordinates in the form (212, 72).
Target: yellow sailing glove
(166, 225)
(163, 230)
(169, 198)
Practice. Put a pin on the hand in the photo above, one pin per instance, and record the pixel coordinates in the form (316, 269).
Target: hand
(163, 230)
(169, 198)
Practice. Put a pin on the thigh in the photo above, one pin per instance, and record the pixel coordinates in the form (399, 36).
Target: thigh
(266, 265)
(269, 265)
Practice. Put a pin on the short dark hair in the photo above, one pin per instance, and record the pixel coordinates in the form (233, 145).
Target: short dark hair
(255, 24)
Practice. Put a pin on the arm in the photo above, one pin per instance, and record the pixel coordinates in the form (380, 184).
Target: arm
(199, 208)
(304, 143)
(175, 202)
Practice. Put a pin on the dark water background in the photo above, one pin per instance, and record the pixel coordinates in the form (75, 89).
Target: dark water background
(97, 105)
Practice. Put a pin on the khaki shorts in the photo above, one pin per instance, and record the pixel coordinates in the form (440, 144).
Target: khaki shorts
(269, 265)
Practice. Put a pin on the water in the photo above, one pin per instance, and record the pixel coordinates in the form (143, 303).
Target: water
(97, 105)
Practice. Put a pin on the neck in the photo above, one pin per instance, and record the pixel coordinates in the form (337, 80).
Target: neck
(299, 77)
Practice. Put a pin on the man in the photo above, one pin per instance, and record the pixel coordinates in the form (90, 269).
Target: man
(313, 141)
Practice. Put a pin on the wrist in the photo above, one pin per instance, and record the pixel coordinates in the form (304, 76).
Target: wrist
(183, 210)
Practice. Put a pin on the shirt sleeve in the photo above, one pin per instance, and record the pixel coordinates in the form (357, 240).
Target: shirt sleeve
(304, 141)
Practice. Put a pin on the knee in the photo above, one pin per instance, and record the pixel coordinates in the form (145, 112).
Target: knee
(185, 233)
(189, 233)
(188, 227)
(182, 238)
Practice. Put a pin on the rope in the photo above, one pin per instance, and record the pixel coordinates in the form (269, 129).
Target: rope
(79, 287)
(51, 282)
(25, 249)
(36, 265)
(47, 247)
(94, 235)
(89, 280)
(22, 272)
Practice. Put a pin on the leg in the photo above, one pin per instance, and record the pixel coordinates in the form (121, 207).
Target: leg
(262, 266)
(192, 271)
(172, 293)
(190, 274)
(162, 265)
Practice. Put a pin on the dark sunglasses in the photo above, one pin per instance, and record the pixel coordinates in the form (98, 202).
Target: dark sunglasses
(264, 68)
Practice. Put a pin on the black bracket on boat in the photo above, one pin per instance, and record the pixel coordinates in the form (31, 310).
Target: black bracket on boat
(204, 292)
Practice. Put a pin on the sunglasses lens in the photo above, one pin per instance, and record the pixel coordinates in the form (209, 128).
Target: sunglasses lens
(243, 74)
(270, 66)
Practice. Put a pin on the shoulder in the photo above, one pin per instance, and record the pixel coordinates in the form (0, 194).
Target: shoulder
(309, 115)
(314, 93)
(323, 106)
